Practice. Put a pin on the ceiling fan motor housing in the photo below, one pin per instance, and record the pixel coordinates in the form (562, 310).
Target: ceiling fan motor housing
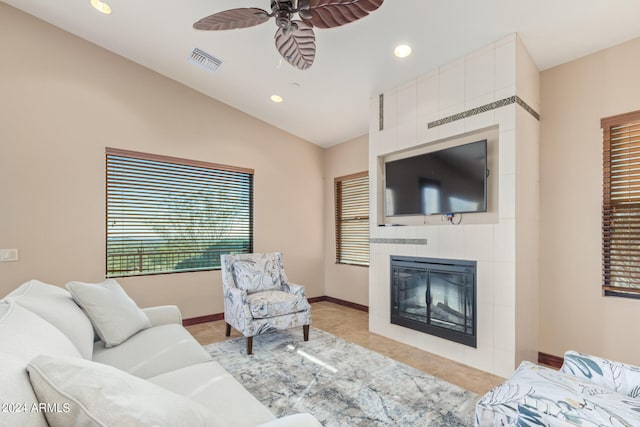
(282, 11)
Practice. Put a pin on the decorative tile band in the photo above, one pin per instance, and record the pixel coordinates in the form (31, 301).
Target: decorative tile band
(399, 241)
(381, 112)
(484, 108)
(528, 108)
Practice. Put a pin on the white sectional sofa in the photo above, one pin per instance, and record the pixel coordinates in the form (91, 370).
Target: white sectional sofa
(110, 363)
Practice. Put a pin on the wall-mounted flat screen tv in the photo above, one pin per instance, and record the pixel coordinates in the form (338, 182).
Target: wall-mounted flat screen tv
(453, 180)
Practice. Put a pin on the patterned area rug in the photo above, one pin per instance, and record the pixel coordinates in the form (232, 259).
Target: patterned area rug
(341, 383)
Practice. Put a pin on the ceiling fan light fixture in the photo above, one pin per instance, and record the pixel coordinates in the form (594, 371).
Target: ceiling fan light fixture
(295, 39)
(277, 99)
(101, 6)
(402, 51)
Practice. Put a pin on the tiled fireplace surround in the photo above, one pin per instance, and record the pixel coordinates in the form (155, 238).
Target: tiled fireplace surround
(491, 93)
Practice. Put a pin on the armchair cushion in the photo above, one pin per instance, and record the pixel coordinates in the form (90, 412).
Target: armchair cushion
(275, 303)
(257, 275)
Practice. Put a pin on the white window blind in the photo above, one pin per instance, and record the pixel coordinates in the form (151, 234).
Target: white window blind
(621, 205)
(168, 215)
(352, 219)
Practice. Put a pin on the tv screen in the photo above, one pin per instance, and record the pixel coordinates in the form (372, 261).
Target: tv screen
(453, 180)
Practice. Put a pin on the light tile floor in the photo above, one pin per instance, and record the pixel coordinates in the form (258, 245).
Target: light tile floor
(353, 325)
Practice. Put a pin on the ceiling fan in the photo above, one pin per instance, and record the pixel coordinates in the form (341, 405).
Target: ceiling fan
(295, 39)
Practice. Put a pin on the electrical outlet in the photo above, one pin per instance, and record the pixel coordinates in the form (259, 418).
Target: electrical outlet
(8, 255)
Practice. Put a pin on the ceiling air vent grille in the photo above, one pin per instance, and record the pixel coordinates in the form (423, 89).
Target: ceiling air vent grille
(204, 60)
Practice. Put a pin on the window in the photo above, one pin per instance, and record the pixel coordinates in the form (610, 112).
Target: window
(352, 219)
(621, 205)
(167, 215)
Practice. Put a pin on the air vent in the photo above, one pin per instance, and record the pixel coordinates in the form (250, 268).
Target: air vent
(204, 60)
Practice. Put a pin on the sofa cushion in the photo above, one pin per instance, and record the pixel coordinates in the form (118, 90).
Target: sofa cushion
(256, 275)
(153, 351)
(88, 393)
(16, 395)
(56, 306)
(24, 334)
(114, 315)
(210, 384)
(275, 303)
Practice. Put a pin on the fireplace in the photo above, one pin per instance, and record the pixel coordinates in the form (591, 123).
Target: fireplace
(435, 296)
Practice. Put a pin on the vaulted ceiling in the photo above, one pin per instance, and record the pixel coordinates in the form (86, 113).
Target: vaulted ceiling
(328, 103)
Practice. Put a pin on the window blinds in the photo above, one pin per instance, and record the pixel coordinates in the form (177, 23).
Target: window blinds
(352, 219)
(621, 205)
(173, 215)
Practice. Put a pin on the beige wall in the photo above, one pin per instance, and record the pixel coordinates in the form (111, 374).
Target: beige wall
(573, 312)
(345, 282)
(63, 100)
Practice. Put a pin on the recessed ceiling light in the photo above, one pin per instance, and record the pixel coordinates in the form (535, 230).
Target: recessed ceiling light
(101, 7)
(402, 51)
(276, 98)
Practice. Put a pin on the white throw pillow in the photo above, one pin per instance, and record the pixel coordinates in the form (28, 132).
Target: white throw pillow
(114, 315)
(82, 392)
(24, 334)
(56, 306)
(20, 405)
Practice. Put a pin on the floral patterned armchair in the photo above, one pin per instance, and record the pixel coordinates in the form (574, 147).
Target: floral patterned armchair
(587, 391)
(258, 297)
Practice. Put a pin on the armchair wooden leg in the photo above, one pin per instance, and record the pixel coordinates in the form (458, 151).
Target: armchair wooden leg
(249, 345)
(305, 330)
(227, 333)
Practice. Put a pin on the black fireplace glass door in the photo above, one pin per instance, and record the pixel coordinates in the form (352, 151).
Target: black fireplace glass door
(450, 300)
(436, 296)
(410, 301)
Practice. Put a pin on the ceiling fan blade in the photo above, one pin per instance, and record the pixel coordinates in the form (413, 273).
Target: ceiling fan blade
(233, 18)
(297, 45)
(334, 13)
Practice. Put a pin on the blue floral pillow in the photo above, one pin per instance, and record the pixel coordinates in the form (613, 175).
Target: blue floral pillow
(622, 378)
